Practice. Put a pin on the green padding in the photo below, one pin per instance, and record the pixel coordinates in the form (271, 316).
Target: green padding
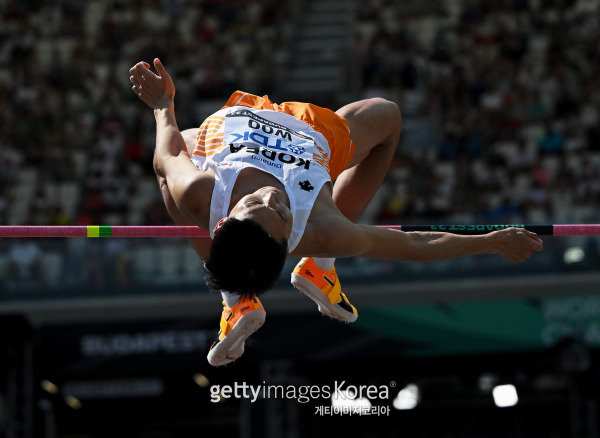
(455, 328)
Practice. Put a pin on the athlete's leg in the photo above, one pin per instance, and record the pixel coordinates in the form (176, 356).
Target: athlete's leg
(375, 126)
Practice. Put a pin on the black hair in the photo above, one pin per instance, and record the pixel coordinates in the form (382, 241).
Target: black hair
(244, 259)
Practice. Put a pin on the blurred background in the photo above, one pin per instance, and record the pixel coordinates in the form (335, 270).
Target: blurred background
(108, 337)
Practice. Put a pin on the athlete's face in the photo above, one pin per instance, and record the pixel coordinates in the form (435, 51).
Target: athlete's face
(266, 206)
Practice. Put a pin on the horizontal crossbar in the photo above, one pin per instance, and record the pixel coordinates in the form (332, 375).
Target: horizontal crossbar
(192, 231)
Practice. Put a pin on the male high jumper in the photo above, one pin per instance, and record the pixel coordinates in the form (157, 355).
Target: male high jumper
(270, 180)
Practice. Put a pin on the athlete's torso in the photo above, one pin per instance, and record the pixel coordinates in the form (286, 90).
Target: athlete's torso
(237, 138)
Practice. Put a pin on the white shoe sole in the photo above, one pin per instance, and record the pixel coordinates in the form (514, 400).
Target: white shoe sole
(231, 347)
(326, 307)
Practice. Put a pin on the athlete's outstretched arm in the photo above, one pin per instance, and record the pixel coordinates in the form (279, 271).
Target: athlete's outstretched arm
(172, 160)
(514, 244)
(347, 240)
(158, 92)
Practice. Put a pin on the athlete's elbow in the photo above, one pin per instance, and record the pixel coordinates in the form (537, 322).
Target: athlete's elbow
(156, 165)
(185, 194)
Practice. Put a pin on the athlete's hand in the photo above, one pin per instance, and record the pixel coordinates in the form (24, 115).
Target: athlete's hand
(516, 244)
(157, 91)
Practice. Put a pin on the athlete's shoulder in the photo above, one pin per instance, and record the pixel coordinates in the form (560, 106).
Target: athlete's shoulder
(329, 235)
(324, 226)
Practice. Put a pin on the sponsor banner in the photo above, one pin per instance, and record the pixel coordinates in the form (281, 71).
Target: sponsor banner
(104, 348)
(425, 330)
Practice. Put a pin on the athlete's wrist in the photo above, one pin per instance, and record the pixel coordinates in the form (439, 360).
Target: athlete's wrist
(164, 105)
(490, 243)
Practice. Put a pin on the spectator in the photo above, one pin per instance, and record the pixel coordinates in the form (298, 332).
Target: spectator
(24, 262)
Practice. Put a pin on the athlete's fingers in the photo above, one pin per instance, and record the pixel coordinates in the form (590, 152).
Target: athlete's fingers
(160, 68)
(531, 234)
(538, 243)
(137, 75)
(137, 67)
(143, 73)
(530, 238)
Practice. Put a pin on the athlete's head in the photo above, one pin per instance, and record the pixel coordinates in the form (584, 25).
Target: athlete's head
(268, 207)
(244, 258)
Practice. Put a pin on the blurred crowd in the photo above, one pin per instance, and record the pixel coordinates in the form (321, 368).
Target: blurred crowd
(75, 143)
(500, 102)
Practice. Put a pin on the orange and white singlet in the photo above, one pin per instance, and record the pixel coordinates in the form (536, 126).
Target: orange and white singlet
(243, 134)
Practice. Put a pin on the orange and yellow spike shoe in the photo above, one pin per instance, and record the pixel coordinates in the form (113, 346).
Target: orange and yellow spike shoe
(324, 288)
(237, 324)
